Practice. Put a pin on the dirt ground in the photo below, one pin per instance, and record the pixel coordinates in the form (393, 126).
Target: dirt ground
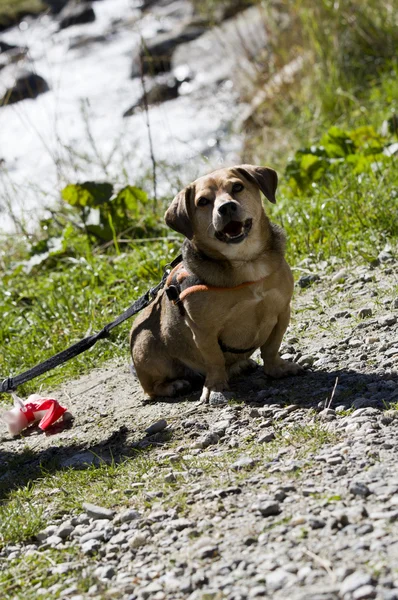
(329, 335)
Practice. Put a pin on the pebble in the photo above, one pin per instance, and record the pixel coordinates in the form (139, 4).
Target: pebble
(267, 509)
(306, 280)
(355, 581)
(97, 512)
(364, 592)
(208, 439)
(65, 530)
(265, 438)
(219, 398)
(138, 539)
(365, 312)
(245, 462)
(156, 427)
(126, 516)
(91, 547)
(387, 321)
(358, 488)
(105, 572)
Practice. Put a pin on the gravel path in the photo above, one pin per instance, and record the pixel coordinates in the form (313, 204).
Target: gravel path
(290, 489)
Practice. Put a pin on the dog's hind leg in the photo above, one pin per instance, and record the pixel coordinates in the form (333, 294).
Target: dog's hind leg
(171, 388)
(274, 365)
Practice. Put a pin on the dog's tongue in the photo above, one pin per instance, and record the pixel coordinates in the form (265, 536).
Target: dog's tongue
(233, 228)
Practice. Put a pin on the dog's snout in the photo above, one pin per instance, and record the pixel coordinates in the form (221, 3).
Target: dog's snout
(227, 208)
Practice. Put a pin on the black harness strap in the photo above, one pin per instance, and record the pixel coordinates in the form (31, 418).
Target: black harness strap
(11, 383)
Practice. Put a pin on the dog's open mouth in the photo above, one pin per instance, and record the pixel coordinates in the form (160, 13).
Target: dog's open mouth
(234, 232)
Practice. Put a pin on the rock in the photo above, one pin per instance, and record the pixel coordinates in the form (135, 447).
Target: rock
(209, 439)
(365, 312)
(355, 581)
(387, 321)
(364, 592)
(156, 427)
(91, 547)
(316, 523)
(160, 91)
(139, 539)
(65, 530)
(306, 359)
(357, 488)
(92, 535)
(76, 14)
(385, 256)
(340, 276)
(27, 85)
(179, 524)
(343, 314)
(220, 427)
(47, 532)
(170, 478)
(306, 280)
(219, 398)
(265, 438)
(97, 512)
(245, 462)
(207, 552)
(278, 579)
(105, 572)
(126, 516)
(53, 540)
(267, 508)
(155, 56)
(80, 460)
(327, 414)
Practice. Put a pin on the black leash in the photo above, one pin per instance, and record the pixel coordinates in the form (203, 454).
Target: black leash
(11, 383)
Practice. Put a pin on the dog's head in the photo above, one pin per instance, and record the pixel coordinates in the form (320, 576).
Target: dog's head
(223, 211)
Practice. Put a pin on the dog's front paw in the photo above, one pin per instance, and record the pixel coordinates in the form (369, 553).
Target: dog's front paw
(221, 386)
(282, 368)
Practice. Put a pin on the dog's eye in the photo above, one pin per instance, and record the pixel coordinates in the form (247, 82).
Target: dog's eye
(203, 201)
(236, 188)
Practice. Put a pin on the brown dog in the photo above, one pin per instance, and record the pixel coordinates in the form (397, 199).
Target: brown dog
(230, 296)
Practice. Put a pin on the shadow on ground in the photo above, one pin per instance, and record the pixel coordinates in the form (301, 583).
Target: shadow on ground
(119, 433)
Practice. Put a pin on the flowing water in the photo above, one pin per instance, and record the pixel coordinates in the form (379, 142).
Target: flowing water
(76, 131)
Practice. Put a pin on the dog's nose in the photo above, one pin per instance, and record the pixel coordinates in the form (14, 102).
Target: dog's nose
(227, 208)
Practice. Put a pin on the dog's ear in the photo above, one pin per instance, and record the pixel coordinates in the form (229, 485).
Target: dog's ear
(264, 177)
(178, 215)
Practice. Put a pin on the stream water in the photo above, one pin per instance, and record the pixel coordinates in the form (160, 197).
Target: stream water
(76, 131)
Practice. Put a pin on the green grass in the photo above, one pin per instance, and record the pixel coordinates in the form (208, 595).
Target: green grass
(11, 11)
(50, 308)
(60, 492)
(25, 576)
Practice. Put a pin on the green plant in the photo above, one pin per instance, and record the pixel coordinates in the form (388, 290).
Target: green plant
(127, 211)
(360, 150)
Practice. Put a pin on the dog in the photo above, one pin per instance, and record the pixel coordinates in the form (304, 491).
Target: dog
(230, 295)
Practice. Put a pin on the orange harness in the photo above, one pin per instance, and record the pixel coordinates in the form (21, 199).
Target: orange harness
(181, 283)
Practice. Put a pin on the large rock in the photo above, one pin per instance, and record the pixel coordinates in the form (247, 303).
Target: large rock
(76, 14)
(161, 91)
(27, 85)
(155, 55)
(231, 51)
